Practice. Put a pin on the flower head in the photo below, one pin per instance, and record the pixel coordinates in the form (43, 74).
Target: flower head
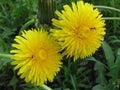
(80, 29)
(36, 56)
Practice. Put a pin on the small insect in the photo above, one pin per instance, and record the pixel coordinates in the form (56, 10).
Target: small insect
(93, 28)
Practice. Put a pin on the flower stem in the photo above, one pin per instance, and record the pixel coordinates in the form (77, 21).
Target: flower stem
(111, 18)
(46, 87)
(106, 7)
(5, 55)
(30, 22)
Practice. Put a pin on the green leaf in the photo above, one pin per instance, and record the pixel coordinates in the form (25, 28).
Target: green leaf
(98, 87)
(115, 41)
(108, 54)
(114, 70)
(97, 61)
(4, 62)
(118, 57)
(100, 69)
(73, 81)
(13, 82)
(117, 64)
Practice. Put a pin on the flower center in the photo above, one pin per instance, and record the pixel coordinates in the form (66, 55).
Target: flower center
(42, 54)
(81, 32)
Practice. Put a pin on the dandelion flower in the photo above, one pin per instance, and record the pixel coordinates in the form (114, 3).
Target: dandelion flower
(36, 56)
(80, 29)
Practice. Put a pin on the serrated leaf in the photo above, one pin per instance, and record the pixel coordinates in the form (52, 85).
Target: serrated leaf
(100, 69)
(114, 70)
(108, 54)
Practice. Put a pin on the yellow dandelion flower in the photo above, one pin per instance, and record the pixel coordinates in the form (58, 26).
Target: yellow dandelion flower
(80, 29)
(36, 56)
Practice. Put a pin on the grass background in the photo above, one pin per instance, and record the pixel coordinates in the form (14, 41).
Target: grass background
(99, 72)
